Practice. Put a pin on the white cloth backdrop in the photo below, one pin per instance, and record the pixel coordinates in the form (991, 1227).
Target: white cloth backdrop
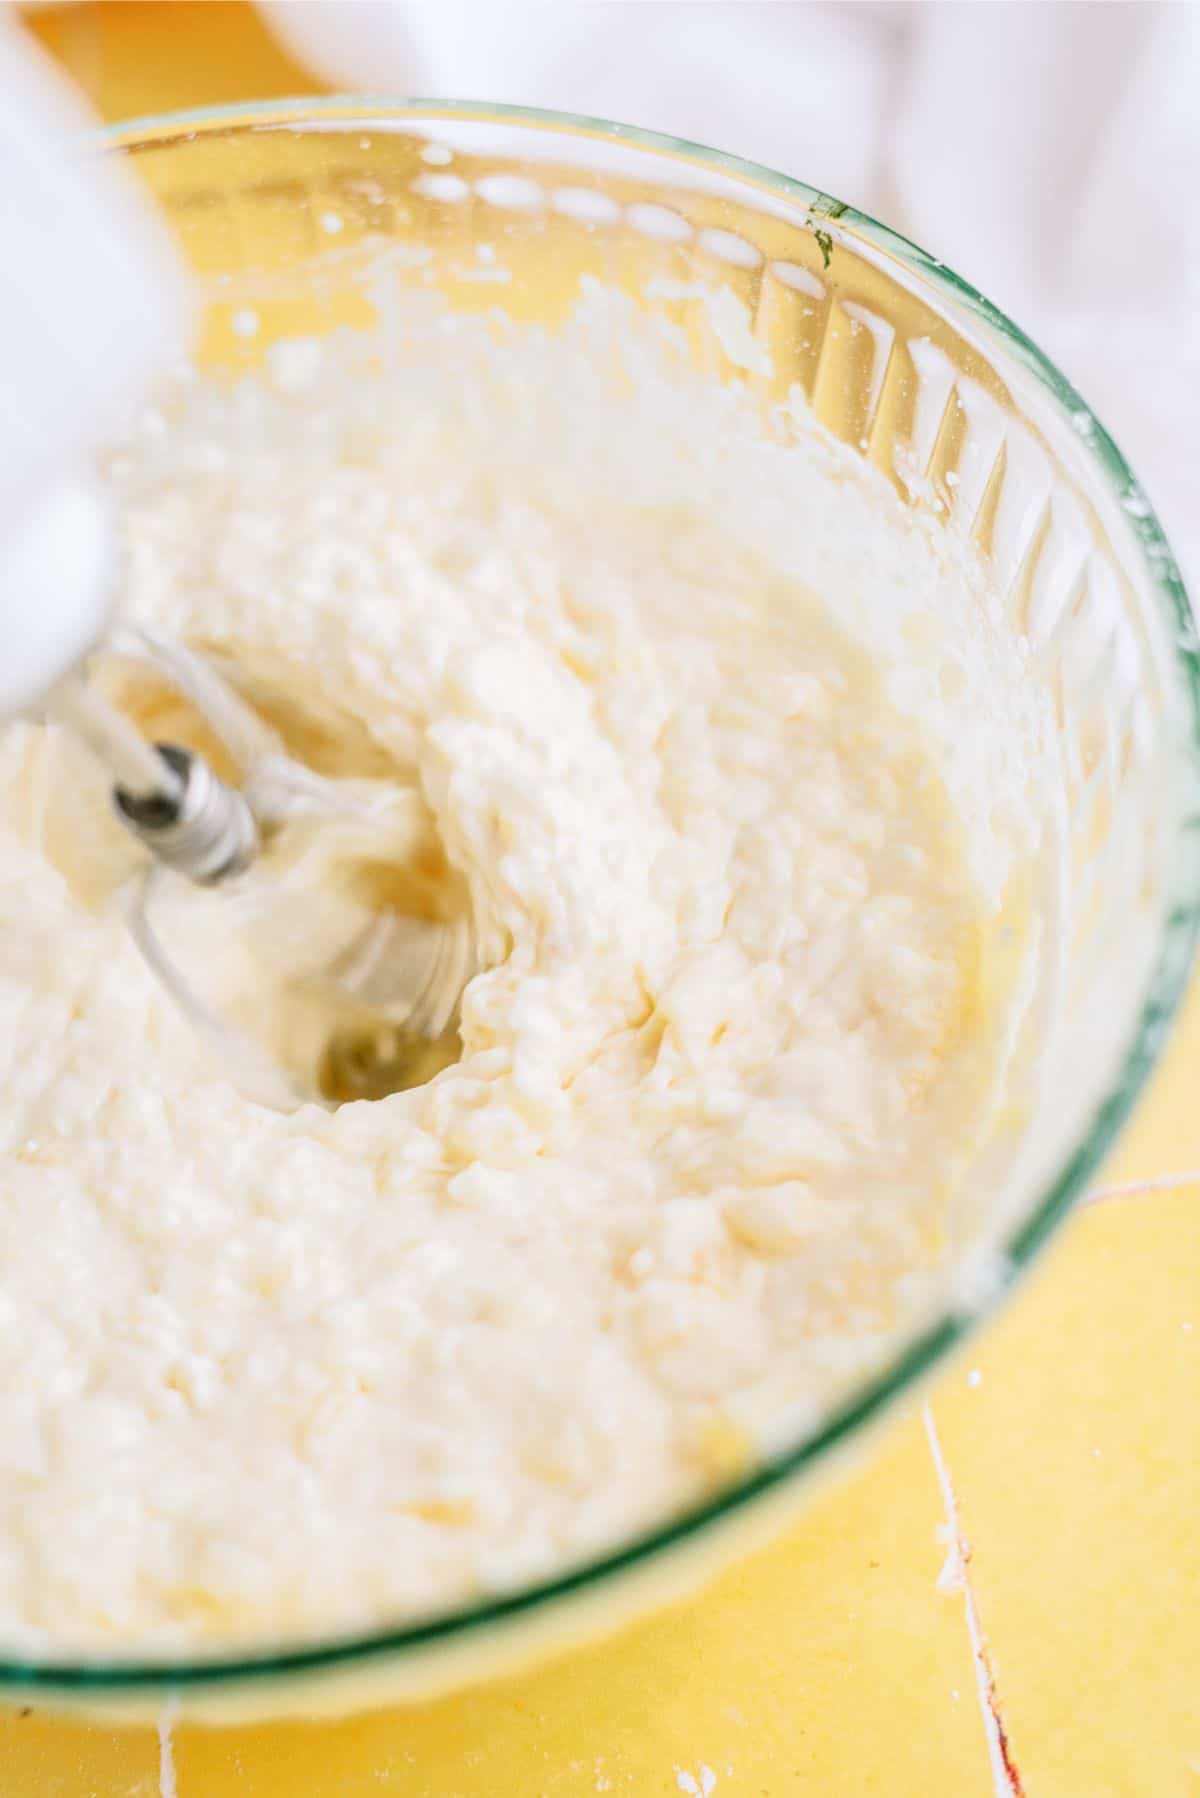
(1048, 152)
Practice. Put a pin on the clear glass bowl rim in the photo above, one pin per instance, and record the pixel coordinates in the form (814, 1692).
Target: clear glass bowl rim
(1165, 990)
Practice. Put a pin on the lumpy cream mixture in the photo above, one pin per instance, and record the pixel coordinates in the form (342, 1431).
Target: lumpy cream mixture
(275, 1373)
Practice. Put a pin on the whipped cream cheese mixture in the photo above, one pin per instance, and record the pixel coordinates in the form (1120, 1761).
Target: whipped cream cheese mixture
(722, 1073)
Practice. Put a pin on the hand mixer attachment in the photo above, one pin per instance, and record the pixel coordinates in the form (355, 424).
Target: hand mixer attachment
(287, 914)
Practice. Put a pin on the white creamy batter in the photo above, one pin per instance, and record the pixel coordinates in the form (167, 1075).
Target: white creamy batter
(270, 1374)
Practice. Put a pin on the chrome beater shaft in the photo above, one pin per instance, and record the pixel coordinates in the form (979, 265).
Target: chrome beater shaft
(198, 826)
(168, 797)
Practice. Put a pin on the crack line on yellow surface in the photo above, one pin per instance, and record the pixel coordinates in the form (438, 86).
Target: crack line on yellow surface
(167, 1786)
(1140, 1189)
(955, 1575)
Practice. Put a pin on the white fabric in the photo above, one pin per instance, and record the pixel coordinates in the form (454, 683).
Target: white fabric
(1050, 153)
(1006, 137)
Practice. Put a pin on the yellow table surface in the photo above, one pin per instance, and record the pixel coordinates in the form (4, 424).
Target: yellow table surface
(1066, 1449)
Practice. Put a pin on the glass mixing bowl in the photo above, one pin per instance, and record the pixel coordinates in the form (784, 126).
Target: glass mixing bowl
(284, 210)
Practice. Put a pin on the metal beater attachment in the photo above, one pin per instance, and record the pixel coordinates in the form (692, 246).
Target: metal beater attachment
(196, 825)
(168, 797)
(363, 997)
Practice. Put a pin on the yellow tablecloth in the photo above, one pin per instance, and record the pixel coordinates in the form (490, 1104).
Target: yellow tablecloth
(1064, 1455)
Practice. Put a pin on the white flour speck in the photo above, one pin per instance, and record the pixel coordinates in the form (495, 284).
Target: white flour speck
(696, 1787)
